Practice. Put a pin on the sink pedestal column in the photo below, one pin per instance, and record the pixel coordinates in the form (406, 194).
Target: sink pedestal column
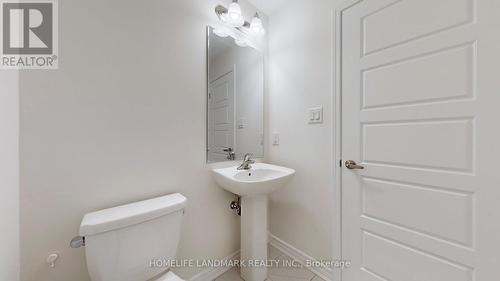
(254, 237)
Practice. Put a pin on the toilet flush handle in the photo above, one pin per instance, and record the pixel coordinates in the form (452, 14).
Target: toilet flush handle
(77, 242)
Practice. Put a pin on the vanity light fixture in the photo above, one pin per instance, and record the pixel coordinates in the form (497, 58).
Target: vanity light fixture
(233, 17)
(256, 26)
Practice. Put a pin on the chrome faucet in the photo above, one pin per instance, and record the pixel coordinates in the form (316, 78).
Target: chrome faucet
(246, 162)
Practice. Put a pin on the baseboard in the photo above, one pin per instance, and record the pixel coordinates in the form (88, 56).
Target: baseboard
(209, 274)
(299, 256)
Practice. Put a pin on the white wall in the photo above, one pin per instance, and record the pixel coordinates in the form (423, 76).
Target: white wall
(9, 175)
(301, 76)
(249, 95)
(121, 120)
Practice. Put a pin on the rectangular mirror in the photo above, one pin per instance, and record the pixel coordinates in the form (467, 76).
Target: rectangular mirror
(235, 102)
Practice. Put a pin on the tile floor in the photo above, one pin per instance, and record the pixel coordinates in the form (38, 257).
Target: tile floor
(278, 273)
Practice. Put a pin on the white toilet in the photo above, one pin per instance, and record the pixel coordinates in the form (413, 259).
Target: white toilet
(121, 243)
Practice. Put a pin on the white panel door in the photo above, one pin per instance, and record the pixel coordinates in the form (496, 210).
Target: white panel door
(420, 112)
(221, 117)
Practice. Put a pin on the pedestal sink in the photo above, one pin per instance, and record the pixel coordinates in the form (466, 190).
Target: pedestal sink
(253, 186)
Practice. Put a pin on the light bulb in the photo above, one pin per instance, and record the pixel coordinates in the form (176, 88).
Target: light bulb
(256, 25)
(234, 11)
(234, 16)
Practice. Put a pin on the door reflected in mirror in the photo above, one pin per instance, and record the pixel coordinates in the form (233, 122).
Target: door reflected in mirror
(235, 102)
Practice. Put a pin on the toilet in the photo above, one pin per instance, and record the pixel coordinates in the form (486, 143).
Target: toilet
(122, 243)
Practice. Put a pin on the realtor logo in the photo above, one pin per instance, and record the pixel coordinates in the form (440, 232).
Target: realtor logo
(29, 34)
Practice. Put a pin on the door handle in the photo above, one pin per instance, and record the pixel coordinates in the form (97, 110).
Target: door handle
(230, 153)
(351, 165)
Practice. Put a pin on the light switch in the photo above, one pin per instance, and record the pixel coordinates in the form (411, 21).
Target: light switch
(316, 115)
(311, 115)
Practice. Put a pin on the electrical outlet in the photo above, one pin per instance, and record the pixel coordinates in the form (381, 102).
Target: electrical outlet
(241, 123)
(276, 139)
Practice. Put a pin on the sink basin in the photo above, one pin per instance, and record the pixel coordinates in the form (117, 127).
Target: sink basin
(259, 180)
(253, 186)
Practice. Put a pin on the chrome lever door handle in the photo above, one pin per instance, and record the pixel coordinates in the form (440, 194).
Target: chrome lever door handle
(230, 153)
(351, 165)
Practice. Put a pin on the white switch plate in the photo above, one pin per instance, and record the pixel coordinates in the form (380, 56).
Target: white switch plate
(315, 115)
(276, 139)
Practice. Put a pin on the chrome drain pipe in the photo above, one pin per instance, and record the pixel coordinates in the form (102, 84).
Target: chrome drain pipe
(235, 206)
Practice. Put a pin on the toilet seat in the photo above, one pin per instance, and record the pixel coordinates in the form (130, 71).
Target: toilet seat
(169, 276)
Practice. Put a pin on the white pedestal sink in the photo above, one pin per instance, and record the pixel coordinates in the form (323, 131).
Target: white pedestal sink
(253, 186)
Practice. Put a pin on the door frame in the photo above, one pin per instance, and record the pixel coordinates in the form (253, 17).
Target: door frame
(337, 121)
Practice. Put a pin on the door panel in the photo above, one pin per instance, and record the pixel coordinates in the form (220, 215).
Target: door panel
(442, 144)
(419, 111)
(396, 22)
(440, 76)
(401, 204)
(392, 260)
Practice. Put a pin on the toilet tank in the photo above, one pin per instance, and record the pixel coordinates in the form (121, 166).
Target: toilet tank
(121, 243)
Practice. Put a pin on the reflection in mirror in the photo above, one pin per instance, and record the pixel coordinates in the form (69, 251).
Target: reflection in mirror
(235, 99)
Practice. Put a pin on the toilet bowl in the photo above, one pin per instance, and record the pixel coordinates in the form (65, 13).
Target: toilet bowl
(123, 243)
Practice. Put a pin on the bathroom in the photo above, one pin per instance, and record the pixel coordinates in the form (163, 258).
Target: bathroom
(368, 126)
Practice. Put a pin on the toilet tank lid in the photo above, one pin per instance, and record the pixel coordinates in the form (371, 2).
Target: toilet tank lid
(130, 214)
